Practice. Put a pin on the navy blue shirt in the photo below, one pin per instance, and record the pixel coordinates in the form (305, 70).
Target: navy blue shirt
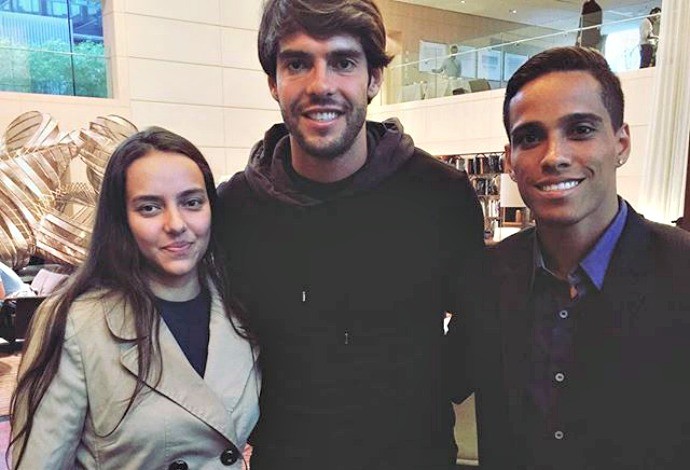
(189, 321)
(557, 305)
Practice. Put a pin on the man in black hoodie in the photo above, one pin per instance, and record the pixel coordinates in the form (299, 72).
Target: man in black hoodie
(346, 245)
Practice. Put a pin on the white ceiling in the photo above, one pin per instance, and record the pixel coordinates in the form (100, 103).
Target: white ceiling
(560, 14)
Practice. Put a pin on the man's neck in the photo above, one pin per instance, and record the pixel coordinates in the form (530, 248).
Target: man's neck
(563, 247)
(330, 170)
(562, 251)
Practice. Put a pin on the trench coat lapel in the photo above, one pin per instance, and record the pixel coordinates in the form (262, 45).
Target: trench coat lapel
(230, 359)
(212, 398)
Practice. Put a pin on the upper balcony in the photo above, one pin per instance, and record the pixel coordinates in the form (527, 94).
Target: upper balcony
(436, 69)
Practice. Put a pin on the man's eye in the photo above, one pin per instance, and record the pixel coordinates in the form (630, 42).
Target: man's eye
(344, 64)
(582, 130)
(526, 140)
(295, 65)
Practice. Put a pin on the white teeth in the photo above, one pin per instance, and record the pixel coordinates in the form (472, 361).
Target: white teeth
(559, 186)
(323, 116)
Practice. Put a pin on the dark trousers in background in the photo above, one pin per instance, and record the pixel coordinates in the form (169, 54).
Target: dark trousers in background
(646, 55)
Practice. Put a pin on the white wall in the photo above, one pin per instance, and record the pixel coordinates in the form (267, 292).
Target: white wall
(191, 67)
(474, 123)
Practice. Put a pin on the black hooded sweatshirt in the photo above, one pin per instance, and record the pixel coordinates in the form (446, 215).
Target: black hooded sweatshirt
(345, 286)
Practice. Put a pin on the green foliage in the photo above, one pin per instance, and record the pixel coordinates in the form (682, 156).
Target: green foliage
(52, 69)
(14, 72)
(90, 69)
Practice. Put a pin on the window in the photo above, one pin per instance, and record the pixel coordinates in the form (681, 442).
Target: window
(512, 62)
(489, 62)
(431, 55)
(622, 49)
(468, 61)
(53, 47)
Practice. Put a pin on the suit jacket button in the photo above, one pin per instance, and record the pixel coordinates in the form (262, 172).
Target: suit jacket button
(230, 456)
(178, 464)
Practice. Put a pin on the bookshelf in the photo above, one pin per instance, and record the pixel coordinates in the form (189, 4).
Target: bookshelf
(484, 171)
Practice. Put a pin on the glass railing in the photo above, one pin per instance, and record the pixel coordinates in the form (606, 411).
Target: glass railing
(487, 63)
(54, 69)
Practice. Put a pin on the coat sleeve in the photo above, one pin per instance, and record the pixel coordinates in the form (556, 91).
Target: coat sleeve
(59, 420)
(466, 292)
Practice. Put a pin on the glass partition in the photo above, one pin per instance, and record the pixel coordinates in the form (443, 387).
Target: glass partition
(487, 63)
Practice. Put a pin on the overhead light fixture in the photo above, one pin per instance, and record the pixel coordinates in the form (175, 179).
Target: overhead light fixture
(513, 11)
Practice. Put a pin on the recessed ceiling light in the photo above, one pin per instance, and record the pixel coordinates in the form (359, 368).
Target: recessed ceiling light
(512, 11)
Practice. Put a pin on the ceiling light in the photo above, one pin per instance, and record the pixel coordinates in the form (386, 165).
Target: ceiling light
(512, 11)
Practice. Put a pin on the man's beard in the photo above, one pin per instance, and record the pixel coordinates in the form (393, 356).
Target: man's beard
(331, 147)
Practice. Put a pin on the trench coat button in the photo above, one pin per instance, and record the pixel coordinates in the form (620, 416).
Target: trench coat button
(178, 464)
(230, 456)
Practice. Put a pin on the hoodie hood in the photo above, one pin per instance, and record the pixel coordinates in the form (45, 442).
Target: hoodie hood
(388, 148)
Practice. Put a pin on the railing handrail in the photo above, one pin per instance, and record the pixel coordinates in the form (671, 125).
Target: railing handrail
(520, 41)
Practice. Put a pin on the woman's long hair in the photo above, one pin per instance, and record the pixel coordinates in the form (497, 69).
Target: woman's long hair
(114, 264)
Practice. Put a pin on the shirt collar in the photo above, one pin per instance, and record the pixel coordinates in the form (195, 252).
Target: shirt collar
(596, 262)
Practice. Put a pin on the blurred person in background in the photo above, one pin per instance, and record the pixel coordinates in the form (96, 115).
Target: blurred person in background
(591, 18)
(649, 38)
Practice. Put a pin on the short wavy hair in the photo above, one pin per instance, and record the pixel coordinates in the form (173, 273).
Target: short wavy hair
(569, 59)
(321, 19)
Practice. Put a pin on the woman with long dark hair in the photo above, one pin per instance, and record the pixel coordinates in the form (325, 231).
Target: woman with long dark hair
(142, 359)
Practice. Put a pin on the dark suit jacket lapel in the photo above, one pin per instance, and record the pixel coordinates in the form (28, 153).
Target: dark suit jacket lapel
(600, 388)
(624, 288)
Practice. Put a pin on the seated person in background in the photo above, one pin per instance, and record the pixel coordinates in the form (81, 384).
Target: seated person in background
(593, 303)
(141, 360)
(10, 282)
(47, 280)
(451, 65)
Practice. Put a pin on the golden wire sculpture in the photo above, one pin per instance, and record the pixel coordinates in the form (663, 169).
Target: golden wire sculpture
(41, 212)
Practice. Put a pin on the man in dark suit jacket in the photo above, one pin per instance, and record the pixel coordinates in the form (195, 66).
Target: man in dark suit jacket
(592, 333)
